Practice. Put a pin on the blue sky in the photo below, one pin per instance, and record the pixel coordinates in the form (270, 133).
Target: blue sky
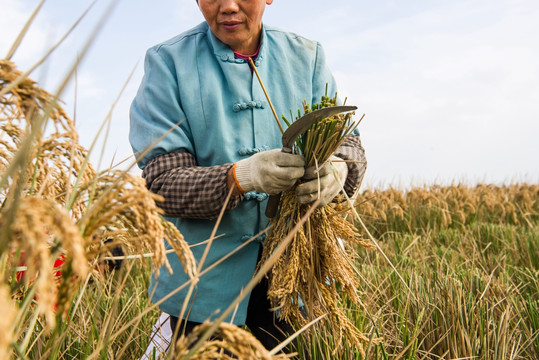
(449, 88)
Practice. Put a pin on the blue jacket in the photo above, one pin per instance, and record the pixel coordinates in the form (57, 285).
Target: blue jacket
(219, 113)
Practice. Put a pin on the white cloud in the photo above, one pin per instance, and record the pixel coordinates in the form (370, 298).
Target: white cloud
(448, 92)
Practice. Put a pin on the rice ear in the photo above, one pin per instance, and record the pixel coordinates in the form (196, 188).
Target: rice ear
(228, 342)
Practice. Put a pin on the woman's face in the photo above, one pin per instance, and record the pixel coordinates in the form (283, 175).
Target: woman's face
(237, 23)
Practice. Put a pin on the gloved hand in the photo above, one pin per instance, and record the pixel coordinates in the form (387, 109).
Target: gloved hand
(270, 171)
(327, 181)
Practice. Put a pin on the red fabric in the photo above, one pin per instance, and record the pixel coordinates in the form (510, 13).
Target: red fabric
(57, 263)
(246, 57)
(57, 274)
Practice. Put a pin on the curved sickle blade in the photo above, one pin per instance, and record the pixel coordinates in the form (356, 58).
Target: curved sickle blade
(295, 129)
(302, 124)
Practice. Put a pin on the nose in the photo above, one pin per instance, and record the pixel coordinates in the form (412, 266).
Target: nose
(229, 6)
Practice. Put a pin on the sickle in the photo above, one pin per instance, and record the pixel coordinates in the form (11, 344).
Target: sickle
(295, 129)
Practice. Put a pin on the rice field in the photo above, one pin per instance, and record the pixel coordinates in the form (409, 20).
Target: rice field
(466, 272)
(454, 273)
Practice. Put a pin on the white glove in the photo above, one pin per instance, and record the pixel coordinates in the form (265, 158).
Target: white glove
(327, 182)
(270, 171)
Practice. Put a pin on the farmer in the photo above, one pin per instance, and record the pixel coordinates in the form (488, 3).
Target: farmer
(201, 127)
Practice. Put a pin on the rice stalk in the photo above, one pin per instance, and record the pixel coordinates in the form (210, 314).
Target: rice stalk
(41, 231)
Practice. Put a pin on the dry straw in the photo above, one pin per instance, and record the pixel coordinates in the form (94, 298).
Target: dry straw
(318, 267)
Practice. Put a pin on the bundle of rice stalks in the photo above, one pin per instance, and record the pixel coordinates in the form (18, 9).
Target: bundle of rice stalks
(228, 342)
(318, 267)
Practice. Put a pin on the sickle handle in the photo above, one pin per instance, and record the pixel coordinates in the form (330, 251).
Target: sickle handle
(273, 204)
(273, 201)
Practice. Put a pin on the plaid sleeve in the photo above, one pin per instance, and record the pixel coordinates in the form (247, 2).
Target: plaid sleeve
(190, 191)
(352, 151)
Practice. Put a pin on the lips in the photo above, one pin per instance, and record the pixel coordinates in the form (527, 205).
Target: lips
(230, 24)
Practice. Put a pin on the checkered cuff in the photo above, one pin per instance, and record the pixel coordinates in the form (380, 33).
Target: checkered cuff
(190, 191)
(352, 150)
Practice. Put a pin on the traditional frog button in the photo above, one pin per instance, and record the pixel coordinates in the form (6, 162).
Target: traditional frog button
(255, 195)
(261, 197)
